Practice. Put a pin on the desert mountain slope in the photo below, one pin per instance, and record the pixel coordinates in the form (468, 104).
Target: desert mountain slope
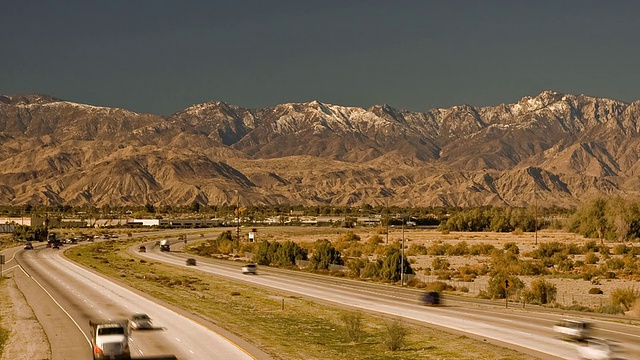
(570, 148)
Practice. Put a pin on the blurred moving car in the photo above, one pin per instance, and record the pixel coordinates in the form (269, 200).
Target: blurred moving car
(597, 349)
(140, 322)
(573, 329)
(28, 246)
(431, 298)
(191, 262)
(250, 269)
(142, 248)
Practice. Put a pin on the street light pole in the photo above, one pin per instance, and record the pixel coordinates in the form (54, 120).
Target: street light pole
(402, 257)
(238, 215)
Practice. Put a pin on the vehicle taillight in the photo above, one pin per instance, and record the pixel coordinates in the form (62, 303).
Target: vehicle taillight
(97, 350)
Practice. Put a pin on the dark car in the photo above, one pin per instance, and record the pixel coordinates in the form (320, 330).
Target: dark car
(28, 246)
(142, 249)
(431, 298)
(191, 262)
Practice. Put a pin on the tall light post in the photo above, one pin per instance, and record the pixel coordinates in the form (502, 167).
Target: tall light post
(535, 213)
(402, 257)
(238, 215)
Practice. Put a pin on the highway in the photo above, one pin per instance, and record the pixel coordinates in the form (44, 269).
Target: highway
(66, 296)
(524, 330)
(80, 295)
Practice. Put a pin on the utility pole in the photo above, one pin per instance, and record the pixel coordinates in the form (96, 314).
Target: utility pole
(535, 213)
(238, 215)
(402, 257)
(387, 221)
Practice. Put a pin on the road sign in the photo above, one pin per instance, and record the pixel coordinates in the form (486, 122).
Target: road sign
(506, 284)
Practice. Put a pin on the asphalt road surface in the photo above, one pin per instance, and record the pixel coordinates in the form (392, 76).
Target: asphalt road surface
(528, 331)
(65, 297)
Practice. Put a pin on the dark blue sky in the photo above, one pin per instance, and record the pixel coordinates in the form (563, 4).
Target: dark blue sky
(162, 56)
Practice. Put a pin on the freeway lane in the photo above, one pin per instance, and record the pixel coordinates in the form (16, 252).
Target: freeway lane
(84, 295)
(528, 331)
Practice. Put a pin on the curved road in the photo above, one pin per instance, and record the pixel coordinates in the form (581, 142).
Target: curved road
(526, 331)
(79, 295)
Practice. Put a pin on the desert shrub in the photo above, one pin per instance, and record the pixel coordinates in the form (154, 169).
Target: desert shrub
(578, 307)
(614, 263)
(481, 249)
(541, 292)
(548, 249)
(595, 291)
(609, 274)
(591, 258)
(444, 275)
(532, 268)
(439, 249)
(621, 249)
(605, 250)
(355, 266)
(624, 297)
(511, 247)
(416, 249)
(371, 270)
(574, 249)
(395, 335)
(495, 289)
(349, 236)
(464, 289)
(461, 248)
(438, 286)
(590, 246)
(578, 263)
(610, 309)
(353, 325)
(517, 231)
(440, 264)
(565, 265)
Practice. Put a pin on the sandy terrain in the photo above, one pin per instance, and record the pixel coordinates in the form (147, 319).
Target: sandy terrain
(27, 339)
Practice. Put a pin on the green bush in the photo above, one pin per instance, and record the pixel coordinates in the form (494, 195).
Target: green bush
(615, 263)
(541, 292)
(440, 264)
(610, 309)
(624, 297)
(511, 247)
(417, 249)
(621, 249)
(353, 325)
(591, 258)
(395, 335)
(371, 270)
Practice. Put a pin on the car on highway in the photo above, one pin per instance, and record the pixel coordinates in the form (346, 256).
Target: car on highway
(431, 298)
(573, 329)
(142, 248)
(251, 269)
(599, 349)
(140, 321)
(191, 262)
(28, 246)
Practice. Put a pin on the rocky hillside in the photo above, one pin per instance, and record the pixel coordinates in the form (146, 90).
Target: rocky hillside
(570, 148)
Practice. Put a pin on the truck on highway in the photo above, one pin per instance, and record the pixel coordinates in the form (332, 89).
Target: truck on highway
(110, 339)
(165, 245)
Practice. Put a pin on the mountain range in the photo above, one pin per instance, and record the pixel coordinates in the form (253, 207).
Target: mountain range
(552, 149)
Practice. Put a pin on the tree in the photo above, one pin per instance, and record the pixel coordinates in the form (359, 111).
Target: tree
(324, 254)
(391, 265)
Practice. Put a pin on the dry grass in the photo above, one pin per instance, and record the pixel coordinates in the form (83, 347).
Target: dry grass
(256, 314)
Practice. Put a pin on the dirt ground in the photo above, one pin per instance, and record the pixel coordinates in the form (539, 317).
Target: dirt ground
(27, 339)
(569, 291)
